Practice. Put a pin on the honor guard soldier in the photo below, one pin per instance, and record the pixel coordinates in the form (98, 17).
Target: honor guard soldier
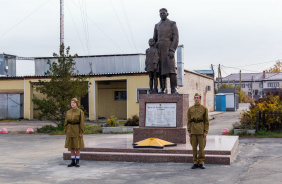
(198, 127)
(74, 127)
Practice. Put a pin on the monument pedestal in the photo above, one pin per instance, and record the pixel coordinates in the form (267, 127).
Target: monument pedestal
(164, 120)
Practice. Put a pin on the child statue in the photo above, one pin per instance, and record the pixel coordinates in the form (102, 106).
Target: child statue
(152, 65)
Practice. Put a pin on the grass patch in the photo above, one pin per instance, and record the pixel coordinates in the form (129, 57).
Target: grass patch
(259, 134)
(9, 120)
(90, 129)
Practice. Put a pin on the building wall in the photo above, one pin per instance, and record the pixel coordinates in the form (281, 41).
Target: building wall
(101, 97)
(197, 83)
(107, 105)
(132, 83)
(11, 85)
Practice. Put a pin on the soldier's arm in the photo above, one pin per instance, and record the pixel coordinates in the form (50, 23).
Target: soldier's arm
(175, 38)
(82, 124)
(189, 121)
(206, 120)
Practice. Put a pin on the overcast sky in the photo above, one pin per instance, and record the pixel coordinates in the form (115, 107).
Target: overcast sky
(244, 34)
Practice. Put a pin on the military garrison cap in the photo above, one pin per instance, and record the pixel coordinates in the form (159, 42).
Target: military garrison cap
(75, 100)
(197, 94)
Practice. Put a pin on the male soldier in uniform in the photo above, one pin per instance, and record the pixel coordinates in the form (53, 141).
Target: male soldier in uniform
(198, 127)
(151, 66)
(166, 38)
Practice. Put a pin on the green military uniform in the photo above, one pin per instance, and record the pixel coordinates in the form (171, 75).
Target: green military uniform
(198, 124)
(74, 125)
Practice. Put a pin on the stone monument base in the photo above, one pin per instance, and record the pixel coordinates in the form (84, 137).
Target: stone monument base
(219, 150)
(175, 135)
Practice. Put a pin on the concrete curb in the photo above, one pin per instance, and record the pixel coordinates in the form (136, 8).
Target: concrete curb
(124, 129)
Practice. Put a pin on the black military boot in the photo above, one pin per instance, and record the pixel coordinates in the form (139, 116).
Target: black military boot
(201, 166)
(77, 163)
(194, 166)
(72, 163)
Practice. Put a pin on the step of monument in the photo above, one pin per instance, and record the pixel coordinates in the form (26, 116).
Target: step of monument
(148, 157)
(154, 150)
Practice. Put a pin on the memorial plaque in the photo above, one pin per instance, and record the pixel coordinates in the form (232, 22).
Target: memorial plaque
(160, 115)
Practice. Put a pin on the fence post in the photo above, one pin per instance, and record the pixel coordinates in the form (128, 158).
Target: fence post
(258, 116)
(279, 121)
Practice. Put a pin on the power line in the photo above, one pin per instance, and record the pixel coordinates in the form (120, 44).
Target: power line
(128, 23)
(241, 69)
(24, 18)
(76, 29)
(99, 28)
(85, 25)
(121, 24)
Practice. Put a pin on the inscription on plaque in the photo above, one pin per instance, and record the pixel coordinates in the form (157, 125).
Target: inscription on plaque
(160, 115)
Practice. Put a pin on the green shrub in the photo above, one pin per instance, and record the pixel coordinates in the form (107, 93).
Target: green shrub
(50, 128)
(267, 104)
(247, 122)
(133, 121)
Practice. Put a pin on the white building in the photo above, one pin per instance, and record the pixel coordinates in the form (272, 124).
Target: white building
(254, 84)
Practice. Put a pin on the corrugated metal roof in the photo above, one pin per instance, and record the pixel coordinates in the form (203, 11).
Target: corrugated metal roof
(205, 71)
(247, 77)
(45, 76)
(95, 56)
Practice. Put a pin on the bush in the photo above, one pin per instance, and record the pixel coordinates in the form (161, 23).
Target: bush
(133, 121)
(247, 122)
(268, 104)
(50, 128)
(112, 121)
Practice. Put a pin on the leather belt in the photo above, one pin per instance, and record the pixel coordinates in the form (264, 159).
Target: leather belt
(74, 123)
(197, 121)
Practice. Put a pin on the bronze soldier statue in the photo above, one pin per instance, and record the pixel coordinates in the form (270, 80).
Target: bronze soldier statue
(151, 66)
(166, 38)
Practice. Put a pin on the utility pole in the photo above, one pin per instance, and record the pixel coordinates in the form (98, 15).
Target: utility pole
(252, 87)
(61, 22)
(240, 81)
(218, 76)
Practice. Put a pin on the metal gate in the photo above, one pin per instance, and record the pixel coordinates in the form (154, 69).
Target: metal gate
(11, 106)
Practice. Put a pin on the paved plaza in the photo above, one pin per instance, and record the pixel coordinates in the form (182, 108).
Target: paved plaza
(37, 158)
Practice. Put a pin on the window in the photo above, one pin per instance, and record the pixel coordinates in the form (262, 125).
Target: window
(249, 85)
(260, 85)
(260, 93)
(243, 86)
(250, 93)
(273, 84)
(237, 84)
(120, 95)
(255, 92)
(142, 91)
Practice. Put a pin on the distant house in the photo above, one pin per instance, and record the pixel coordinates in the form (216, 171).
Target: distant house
(254, 84)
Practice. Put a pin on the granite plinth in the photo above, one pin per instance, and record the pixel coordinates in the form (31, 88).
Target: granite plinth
(175, 135)
(148, 157)
(172, 134)
(182, 105)
(219, 150)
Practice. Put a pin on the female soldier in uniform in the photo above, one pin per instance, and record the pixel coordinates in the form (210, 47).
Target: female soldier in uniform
(74, 128)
